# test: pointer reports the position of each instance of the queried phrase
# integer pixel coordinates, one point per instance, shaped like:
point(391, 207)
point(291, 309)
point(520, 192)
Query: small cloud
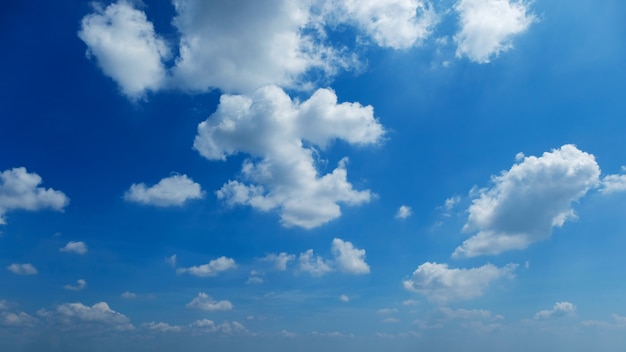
point(315, 266)
point(254, 280)
point(205, 302)
point(344, 298)
point(171, 260)
point(22, 269)
point(349, 259)
point(451, 202)
point(161, 327)
point(19, 191)
point(385, 311)
point(280, 260)
point(80, 285)
point(213, 268)
point(404, 212)
point(560, 309)
point(129, 295)
point(78, 247)
point(170, 191)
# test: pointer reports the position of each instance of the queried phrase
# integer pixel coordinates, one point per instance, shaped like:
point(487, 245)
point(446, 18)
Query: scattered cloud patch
point(613, 184)
point(205, 302)
point(528, 200)
point(344, 298)
point(19, 191)
point(78, 247)
point(171, 261)
point(397, 24)
point(439, 283)
point(348, 258)
point(78, 314)
point(22, 269)
point(404, 212)
point(128, 295)
point(560, 309)
point(487, 27)
point(280, 260)
point(206, 326)
point(126, 48)
point(170, 191)
point(161, 327)
point(80, 285)
point(273, 129)
point(213, 268)
point(316, 266)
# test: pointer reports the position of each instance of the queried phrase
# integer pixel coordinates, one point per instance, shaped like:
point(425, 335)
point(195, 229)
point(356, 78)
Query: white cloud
point(349, 259)
point(80, 314)
point(252, 280)
point(488, 26)
point(269, 126)
point(227, 328)
point(78, 247)
point(560, 309)
point(439, 283)
point(129, 295)
point(205, 302)
point(528, 200)
point(280, 260)
point(613, 183)
point(386, 311)
point(161, 327)
point(126, 47)
point(80, 285)
point(239, 46)
point(404, 212)
point(22, 269)
point(451, 202)
point(398, 24)
point(315, 266)
point(171, 260)
point(170, 191)
point(213, 268)
point(16, 319)
point(344, 298)
point(19, 191)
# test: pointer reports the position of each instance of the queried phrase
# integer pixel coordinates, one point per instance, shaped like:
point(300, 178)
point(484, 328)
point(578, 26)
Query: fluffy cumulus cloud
point(560, 309)
point(528, 200)
point(205, 302)
point(488, 26)
point(212, 268)
point(275, 131)
point(80, 285)
point(346, 258)
point(404, 212)
point(77, 247)
point(613, 184)
point(314, 265)
point(279, 260)
point(206, 326)
point(440, 283)
point(349, 259)
point(22, 269)
point(126, 48)
point(397, 24)
point(238, 46)
point(80, 315)
point(19, 190)
point(161, 327)
point(170, 191)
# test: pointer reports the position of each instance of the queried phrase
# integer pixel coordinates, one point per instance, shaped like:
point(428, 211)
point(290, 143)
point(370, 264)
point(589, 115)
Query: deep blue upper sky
point(312, 175)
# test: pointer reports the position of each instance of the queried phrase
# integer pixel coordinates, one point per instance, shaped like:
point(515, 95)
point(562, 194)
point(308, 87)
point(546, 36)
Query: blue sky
point(312, 175)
